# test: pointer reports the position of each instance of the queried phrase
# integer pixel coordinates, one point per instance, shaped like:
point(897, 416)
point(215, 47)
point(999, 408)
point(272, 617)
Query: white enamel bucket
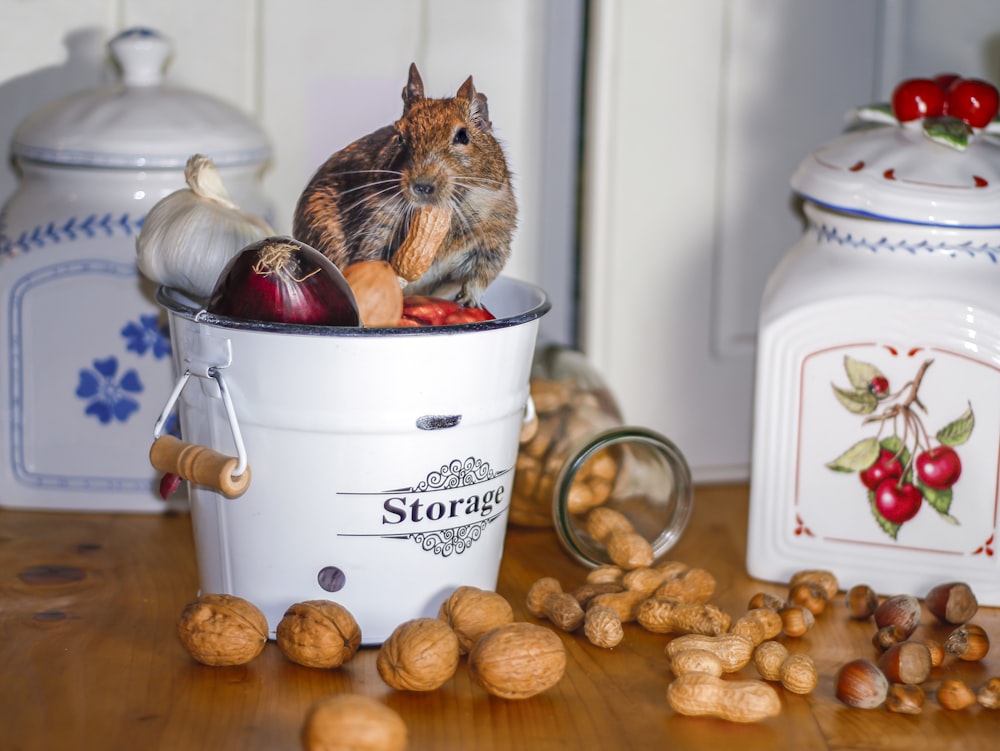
point(380, 460)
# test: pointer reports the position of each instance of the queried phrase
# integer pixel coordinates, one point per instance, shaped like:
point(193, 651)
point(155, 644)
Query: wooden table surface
point(89, 658)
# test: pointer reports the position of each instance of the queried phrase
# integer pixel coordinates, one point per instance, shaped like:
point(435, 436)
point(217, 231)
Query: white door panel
point(697, 115)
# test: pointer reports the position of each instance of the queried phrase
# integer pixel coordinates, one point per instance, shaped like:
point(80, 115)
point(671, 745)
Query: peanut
point(798, 674)
point(768, 658)
point(428, 228)
point(671, 617)
point(734, 650)
point(695, 585)
point(736, 701)
point(546, 599)
point(696, 661)
point(603, 627)
point(624, 603)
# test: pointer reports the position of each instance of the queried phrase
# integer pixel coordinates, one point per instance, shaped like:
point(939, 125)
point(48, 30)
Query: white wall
point(320, 73)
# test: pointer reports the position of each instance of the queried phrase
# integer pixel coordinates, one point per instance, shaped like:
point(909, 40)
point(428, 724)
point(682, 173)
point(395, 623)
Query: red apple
point(915, 98)
point(896, 502)
point(972, 101)
point(939, 468)
point(887, 466)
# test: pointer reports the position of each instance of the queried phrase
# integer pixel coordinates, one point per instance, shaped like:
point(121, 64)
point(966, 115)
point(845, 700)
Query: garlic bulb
point(190, 235)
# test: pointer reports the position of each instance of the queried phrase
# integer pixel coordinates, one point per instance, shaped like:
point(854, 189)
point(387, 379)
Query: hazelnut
point(810, 595)
point(899, 610)
point(886, 636)
point(908, 662)
point(936, 649)
point(796, 620)
point(861, 684)
point(968, 642)
point(825, 579)
point(988, 695)
point(343, 722)
point(765, 600)
point(318, 634)
point(220, 629)
point(952, 603)
point(861, 602)
point(905, 698)
point(955, 694)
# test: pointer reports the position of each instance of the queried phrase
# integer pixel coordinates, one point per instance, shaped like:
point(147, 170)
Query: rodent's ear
point(479, 112)
point(414, 88)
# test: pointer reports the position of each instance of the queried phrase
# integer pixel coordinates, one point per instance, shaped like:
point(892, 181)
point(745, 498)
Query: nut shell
point(518, 660)
point(352, 722)
point(377, 292)
point(471, 612)
point(318, 634)
point(221, 629)
point(420, 655)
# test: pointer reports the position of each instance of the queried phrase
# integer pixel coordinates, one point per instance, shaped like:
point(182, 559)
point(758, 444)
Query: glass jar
point(576, 454)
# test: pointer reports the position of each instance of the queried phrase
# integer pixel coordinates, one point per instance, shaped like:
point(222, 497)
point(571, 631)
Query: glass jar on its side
point(577, 455)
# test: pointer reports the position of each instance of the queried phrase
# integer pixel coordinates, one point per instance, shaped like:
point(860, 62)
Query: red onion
point(281, 280)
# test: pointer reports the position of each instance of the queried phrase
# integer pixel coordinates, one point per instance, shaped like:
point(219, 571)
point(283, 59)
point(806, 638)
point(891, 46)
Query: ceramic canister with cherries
point(876, 446)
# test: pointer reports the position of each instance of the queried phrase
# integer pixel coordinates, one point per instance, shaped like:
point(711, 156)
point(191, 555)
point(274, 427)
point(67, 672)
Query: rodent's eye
point(461, 136)
point(397, 138)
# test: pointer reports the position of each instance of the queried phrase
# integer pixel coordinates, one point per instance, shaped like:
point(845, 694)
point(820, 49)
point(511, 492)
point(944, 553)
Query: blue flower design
point(108, 398)
point(148, 335)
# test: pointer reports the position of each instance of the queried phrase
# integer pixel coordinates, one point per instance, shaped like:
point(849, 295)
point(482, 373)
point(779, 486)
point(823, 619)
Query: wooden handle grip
point(198, 464)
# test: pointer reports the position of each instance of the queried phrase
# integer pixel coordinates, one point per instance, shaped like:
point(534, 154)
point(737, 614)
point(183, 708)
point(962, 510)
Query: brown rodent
point(358, 205)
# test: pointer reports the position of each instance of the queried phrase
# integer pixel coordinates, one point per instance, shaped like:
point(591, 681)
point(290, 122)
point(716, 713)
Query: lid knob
point(142, 55)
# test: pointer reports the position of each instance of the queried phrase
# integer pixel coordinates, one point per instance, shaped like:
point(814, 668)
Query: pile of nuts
point(507, 658)
point(673, 598)
point(566, 411)
point(904, 664)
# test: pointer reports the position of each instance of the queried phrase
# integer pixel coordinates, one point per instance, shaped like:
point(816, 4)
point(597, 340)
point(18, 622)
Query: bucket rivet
point(331, 578)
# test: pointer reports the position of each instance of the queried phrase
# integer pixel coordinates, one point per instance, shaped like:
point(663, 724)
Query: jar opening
point(651, 486)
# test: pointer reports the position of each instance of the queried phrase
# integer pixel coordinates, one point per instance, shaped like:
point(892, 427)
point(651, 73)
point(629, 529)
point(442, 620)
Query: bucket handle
point(200, 464)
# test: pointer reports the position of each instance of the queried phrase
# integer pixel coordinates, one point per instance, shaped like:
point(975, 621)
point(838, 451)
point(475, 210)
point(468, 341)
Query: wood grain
point(89, 658)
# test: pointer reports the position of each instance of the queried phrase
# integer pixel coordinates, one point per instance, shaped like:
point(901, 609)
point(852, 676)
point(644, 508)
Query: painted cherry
point(896, 502)
point(879, 385)
point(886, 467)
point(939, 468)
point(972, 101)
point(915, 98)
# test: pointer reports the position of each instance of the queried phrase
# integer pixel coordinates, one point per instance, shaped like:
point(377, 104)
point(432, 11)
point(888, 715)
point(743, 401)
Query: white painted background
point(697, 112)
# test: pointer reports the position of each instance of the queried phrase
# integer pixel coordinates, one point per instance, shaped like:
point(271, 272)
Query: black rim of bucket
point(179, 303)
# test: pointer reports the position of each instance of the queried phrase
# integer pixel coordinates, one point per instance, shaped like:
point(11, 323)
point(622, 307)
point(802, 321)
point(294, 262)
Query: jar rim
point(683, 495)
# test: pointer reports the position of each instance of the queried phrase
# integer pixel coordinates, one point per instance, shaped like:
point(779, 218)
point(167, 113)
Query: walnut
point(518, 660)
point(318, 634)
point(471, 612)
point(218, 629)
point(420, 655)
point(352, 722)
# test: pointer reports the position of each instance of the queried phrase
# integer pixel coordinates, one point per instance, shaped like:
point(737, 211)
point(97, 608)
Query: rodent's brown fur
point(441, 151)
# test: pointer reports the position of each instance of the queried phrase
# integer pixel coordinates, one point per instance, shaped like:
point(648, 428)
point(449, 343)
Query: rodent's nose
point(422, 188)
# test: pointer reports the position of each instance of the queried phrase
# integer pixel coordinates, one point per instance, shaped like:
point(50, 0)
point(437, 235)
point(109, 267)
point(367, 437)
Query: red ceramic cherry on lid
point(894, 164)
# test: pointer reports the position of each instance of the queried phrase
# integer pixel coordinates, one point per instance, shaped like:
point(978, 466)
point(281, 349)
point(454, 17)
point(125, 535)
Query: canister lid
point(139, 121)
point(921, 172)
